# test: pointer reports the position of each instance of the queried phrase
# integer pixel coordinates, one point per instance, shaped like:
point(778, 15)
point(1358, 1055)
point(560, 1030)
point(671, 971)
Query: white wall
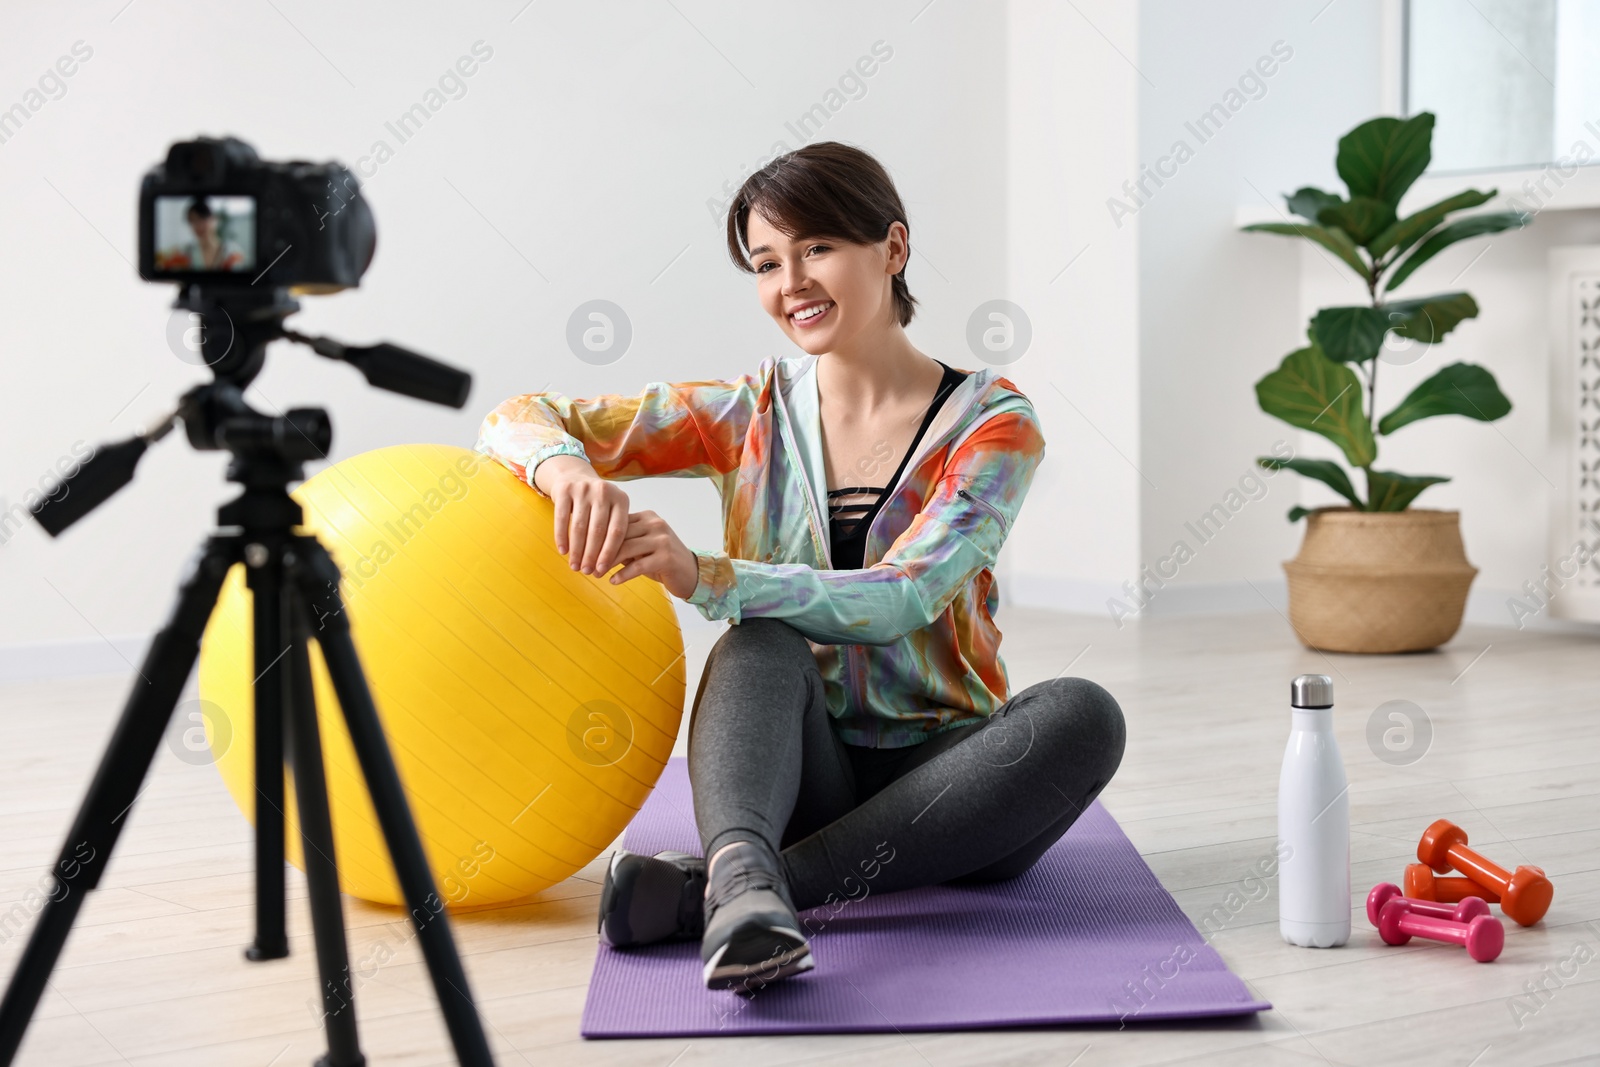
point(577, 166)
point(1072, 108)
point(1220, 308)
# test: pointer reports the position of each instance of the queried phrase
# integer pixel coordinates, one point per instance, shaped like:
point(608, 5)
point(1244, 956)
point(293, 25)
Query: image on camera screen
point(205, 233)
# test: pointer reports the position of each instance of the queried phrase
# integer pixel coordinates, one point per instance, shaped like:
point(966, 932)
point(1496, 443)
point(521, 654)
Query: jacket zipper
point(985, 505)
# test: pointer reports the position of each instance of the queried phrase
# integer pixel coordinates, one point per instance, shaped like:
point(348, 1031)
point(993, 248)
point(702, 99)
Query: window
point(1514, 83)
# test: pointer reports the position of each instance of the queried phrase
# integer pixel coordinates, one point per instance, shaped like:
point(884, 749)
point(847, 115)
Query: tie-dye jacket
point(908, 646)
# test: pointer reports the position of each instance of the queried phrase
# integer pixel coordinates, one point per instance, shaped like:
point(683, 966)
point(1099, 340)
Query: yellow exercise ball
point(530, 708)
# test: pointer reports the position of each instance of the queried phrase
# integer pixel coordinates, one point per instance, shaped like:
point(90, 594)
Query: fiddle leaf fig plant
point(1330, 385)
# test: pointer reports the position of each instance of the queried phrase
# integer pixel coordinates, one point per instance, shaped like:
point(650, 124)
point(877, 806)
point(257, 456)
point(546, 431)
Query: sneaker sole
point(752, 964)
point(608, 894)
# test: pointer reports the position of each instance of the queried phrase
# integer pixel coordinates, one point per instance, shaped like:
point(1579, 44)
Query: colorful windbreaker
point(907, 646)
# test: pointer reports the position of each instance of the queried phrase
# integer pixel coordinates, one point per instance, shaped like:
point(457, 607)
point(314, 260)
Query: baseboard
point(1073, 596)
point(1113, 602)
point(88, 657)
point(1493, 607)
point(79, 658)
point(1485, 606)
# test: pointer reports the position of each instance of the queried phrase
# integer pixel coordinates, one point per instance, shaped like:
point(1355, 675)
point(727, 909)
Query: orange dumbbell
point(1524, 893)
point(1422, 884)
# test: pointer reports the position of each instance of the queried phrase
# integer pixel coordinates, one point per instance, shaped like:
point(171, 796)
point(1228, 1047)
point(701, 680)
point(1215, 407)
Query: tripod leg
point(318, 580)
point(316, 831)
point(270, 632)
point(116, 784)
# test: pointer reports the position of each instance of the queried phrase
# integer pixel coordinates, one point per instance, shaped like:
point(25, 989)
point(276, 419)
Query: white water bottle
point(1313, 823)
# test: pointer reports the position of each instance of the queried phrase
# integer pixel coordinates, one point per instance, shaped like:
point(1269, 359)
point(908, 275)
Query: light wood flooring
point(153, 973)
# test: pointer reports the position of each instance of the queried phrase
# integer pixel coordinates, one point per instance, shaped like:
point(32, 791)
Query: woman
point(209, 250)
point(854, 731)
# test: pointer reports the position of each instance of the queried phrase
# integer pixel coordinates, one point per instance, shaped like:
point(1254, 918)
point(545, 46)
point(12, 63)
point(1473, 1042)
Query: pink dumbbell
point(1484, 937)
point(1464, 912)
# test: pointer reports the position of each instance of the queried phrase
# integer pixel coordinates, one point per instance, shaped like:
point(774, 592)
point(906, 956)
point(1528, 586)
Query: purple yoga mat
point(1087, 935)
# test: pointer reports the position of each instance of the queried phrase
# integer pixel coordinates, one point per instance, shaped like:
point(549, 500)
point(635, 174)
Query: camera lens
point(363, 236)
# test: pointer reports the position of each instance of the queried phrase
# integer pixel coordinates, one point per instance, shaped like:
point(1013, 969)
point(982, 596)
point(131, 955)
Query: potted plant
point(1378, 575)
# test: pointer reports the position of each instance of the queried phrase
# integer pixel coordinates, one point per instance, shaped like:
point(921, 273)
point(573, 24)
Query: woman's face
point(204, 226)
point(851, 283)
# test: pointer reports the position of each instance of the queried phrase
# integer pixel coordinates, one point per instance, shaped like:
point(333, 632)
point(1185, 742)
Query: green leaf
point(1459, 230)
point(1395, 492)
point(1309, 200)
point(1323, 470)
point(1355, 334)
point(1459, 389)
point(1427, 319)
point(1363, 218)
point(1409, 230)
point(1311, 391)
point(1297, 513)
point(1349, 334)
point(1381, 158)
point(1333, 239)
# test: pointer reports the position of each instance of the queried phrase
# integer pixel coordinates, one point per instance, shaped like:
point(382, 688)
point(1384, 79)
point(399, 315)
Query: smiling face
point(204, 226)
point(840, 290)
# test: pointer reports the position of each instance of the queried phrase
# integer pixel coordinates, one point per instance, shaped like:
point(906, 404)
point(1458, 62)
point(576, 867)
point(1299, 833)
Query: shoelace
point(735, 877)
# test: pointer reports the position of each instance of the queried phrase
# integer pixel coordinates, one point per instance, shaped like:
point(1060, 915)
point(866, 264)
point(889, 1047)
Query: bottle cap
point(1311, 691)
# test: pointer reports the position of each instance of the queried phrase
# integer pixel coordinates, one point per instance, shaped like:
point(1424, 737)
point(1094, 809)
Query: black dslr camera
point(242, 238)
point(217, 214)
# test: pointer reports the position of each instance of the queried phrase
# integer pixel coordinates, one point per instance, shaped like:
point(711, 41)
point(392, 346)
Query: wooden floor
point(153, 975)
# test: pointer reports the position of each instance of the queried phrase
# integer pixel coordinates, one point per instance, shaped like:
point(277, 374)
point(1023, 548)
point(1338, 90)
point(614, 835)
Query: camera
point(216, 214)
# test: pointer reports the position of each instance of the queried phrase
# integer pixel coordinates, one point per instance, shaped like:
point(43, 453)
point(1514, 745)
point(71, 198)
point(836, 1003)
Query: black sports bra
point(848, 523)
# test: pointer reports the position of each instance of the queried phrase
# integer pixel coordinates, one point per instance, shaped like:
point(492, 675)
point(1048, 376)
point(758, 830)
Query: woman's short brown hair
point(827, 189)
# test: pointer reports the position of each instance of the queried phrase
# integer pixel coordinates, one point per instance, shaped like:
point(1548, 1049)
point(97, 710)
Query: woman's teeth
point(811, 312)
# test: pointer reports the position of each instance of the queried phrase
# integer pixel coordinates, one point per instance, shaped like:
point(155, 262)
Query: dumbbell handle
point(1455, 890)
point(1460, 912)
point(1422, 884)
point(1481, 870)
point(1433, 927)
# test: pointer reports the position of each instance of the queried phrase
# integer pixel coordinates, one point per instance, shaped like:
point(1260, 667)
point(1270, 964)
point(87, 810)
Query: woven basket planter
point(1379, 581)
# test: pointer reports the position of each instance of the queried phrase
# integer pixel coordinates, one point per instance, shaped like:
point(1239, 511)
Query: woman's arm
point(684, 429)
point(958, 532)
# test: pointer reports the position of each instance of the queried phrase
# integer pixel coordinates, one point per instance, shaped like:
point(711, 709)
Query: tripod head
point(236, 325)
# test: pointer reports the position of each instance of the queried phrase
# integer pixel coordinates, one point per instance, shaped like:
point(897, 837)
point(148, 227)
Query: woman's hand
point(594, 529)
point(591, 519)
point(653, 550)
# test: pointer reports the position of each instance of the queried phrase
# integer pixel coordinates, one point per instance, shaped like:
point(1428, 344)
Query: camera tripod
point(294, 584)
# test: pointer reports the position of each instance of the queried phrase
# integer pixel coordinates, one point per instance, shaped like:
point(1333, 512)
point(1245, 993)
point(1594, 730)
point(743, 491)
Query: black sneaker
point(652, 898)
point(752, 935)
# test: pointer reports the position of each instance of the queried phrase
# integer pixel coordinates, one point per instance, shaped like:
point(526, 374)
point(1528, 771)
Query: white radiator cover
point(1574, 549)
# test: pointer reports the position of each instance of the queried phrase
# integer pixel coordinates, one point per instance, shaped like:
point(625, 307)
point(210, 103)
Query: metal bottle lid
point(1311, 691)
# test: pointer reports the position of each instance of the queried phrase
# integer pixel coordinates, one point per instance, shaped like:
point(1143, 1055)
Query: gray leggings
point(972, 804)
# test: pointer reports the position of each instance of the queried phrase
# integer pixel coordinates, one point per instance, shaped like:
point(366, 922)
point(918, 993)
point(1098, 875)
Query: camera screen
point(205, 233)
